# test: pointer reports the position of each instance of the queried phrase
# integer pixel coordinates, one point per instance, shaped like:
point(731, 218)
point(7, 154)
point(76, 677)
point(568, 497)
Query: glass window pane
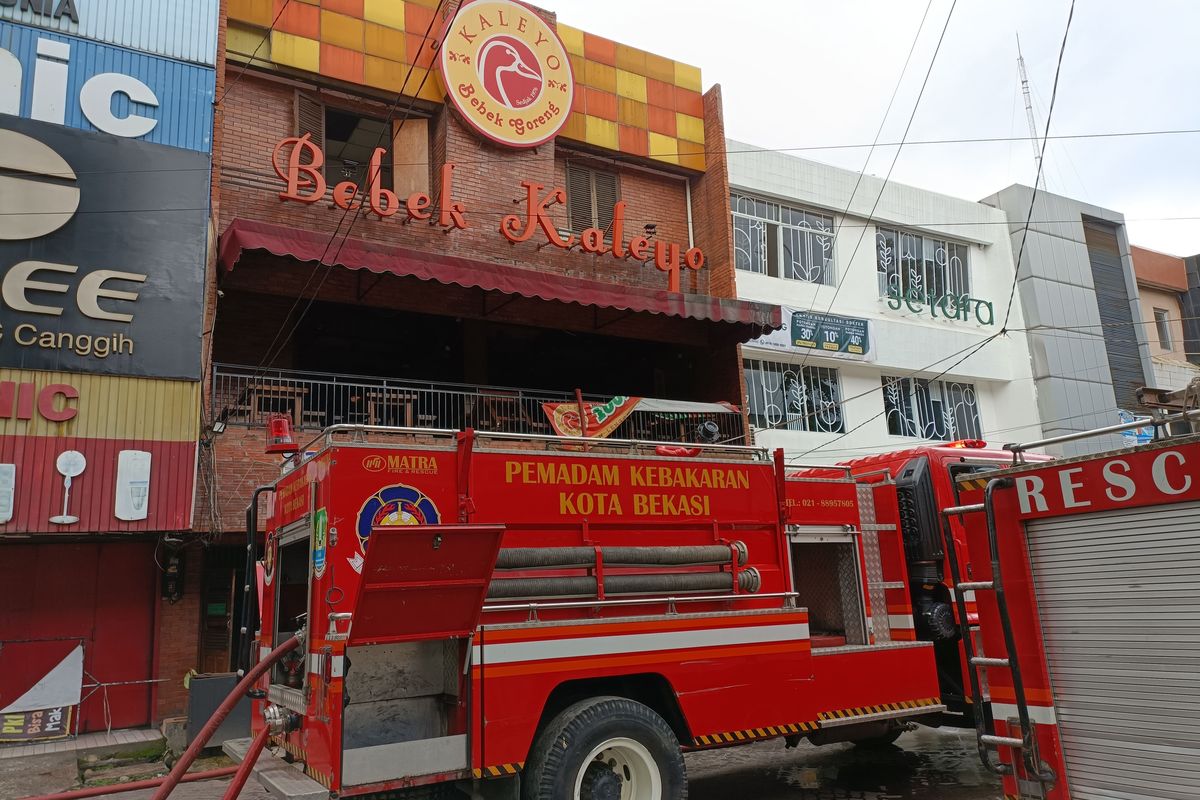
point(784, 396)
point(911, 269)
point(887, 262)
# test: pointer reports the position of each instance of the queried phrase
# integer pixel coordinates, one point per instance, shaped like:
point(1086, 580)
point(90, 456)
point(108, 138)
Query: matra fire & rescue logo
point(507, 72)
point(395, 505)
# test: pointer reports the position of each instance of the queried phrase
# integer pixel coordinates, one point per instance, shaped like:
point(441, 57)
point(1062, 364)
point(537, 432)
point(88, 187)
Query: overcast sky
point(804, 74)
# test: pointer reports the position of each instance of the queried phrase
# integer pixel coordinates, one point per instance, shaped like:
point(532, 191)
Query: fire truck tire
point(605, 747)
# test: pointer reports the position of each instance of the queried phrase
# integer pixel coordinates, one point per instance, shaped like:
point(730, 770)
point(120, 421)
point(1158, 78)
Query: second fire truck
point(926, 481)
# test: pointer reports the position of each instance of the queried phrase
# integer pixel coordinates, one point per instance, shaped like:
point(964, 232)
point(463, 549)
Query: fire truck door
point(422, 592)
point(1118, 596)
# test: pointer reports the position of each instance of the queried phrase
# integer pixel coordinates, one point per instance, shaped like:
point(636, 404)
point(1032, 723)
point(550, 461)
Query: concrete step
point(284, 781)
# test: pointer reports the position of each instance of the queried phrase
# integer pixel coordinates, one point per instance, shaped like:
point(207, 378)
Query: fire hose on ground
point(177, 772)
point(97, 791)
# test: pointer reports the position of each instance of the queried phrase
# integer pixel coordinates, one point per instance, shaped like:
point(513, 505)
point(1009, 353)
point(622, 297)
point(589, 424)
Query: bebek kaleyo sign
point(507, 72)
point(298, 162)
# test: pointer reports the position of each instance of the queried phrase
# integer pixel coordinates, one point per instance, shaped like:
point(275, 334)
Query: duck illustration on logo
point(509, 72)
point(506, 71)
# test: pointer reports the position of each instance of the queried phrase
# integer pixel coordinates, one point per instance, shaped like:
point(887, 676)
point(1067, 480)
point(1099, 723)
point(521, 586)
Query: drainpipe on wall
point(687, 188)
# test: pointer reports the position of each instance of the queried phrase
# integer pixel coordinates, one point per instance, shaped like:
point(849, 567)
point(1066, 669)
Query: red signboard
point(1150, 476)
point(519, 488)
point(90, 502)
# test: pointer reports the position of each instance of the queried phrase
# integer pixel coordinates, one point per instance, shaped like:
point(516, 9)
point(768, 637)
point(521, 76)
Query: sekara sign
point(102, 252)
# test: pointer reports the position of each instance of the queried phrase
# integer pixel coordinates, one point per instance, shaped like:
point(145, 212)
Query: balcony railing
point(248, 396)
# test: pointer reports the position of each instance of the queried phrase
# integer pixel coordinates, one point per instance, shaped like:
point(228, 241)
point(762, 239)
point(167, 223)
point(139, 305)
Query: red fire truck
point(1087, 573)
point(553, 617)
point(925, 481)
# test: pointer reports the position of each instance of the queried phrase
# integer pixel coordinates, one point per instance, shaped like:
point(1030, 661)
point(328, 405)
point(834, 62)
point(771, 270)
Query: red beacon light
point(279, 436)
point(972, 443)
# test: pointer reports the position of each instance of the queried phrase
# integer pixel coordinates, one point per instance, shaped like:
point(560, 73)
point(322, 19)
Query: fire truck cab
point(552, 617)
point(926, 481)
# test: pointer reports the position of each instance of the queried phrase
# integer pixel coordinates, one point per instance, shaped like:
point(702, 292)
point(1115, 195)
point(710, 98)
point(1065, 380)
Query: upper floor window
point(944, 410)
point(919, 267)
point(794, 398)
point(1162, 321)
point(591, 195)
point(780, 241)
point(347, 139)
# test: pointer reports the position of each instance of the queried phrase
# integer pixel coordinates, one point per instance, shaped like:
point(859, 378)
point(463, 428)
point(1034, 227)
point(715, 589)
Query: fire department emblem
point(507, 72)
point(395, 505)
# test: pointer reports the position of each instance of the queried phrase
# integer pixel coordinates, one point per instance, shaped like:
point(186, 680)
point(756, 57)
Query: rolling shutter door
point(1119, 603)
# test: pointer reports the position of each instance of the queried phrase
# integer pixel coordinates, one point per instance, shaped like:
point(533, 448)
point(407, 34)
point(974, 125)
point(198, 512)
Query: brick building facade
point(328, 316)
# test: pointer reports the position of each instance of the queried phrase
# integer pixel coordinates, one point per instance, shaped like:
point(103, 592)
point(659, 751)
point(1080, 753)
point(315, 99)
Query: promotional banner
point(602, 418)
point(829, 334)
point(40, 684)
point(102, 252)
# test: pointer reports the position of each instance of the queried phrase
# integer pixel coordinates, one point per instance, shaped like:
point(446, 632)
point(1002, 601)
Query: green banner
point(830, 333)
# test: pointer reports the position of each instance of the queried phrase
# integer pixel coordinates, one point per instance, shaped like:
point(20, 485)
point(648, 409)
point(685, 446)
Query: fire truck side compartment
point(829, 584)
point(399, 692)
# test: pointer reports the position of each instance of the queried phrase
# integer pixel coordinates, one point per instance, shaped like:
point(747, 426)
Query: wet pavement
point(925, 764)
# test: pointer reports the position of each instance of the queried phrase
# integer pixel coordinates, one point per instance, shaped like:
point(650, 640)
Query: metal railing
point(317, 400)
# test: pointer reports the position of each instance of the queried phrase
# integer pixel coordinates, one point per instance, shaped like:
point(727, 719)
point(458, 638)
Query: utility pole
point(1033, 131)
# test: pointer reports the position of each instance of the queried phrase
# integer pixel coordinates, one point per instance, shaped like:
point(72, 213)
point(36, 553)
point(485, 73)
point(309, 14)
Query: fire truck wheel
point(605, 748)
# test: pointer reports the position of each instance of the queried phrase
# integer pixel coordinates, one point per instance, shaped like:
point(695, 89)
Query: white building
point(915, 292)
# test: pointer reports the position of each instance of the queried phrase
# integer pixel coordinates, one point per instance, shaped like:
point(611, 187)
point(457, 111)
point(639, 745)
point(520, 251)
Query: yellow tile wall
point(654, 94)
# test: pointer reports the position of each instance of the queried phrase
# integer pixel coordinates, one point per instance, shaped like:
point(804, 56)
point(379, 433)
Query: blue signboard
point(68, 81)
point(180, 29)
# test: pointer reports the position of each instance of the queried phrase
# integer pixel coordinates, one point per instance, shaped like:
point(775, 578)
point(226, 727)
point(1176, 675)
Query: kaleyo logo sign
point(507, 72)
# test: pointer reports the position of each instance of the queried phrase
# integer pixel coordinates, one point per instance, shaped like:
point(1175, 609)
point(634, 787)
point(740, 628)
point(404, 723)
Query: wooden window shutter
point(579, 197)
point(310, 118)
point(410, 156)
point(605, 197)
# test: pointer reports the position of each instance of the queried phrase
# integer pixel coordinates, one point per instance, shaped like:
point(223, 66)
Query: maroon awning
point(281, 240)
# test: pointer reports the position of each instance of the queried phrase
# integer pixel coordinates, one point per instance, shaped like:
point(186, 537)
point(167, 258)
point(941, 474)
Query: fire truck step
point(1001, 741)
point(972, 586)
point(983, 661)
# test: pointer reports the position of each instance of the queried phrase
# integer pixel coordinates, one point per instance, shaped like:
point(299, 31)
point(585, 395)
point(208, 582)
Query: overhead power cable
point(916, 106)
